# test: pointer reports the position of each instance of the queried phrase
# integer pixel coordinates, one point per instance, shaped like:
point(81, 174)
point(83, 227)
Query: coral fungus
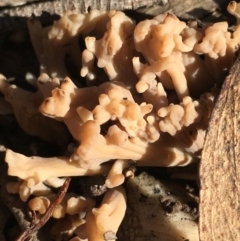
point(152, 108)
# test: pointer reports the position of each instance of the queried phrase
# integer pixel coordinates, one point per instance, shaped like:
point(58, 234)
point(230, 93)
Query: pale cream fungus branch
point(72, 204)
point(114, 51)
point(234, 8)
point(28, 187)
point(165, 45)
point(122, 141)
point(219, 47)
point(188, 120)
point(40, 169)
point(96, 149)
point(106, 218)
point(156, 42)
point(116, 176)
point(64, 228)
point(164, 124)
point(53, 43)
point(74, 105)
point(25, 106)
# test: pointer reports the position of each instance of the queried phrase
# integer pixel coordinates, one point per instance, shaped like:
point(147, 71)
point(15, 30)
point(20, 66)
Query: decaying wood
point(220, 166)
point(5, 3)
point(60, 6)
point(193, 8)
point(15, 16)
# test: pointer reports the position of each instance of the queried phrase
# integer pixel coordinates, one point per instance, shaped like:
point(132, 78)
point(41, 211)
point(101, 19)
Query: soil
point(170, 206)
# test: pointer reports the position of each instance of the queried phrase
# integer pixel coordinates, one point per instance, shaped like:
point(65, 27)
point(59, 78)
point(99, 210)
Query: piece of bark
point(59, 6)
point(193, 8)
point(14, 18)
point(5, 3)
point(220, 166)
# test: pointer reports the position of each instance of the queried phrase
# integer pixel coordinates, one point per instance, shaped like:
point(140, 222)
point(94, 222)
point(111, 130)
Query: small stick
point(36, 226)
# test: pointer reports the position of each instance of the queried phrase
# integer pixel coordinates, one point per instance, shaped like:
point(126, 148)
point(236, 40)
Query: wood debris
point(220, 166)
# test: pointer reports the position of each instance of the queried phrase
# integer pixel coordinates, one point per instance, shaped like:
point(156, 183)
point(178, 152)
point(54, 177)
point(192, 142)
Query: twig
point(36, 226)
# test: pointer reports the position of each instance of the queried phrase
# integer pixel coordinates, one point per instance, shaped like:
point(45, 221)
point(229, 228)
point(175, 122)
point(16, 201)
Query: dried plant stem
point(36, 226)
